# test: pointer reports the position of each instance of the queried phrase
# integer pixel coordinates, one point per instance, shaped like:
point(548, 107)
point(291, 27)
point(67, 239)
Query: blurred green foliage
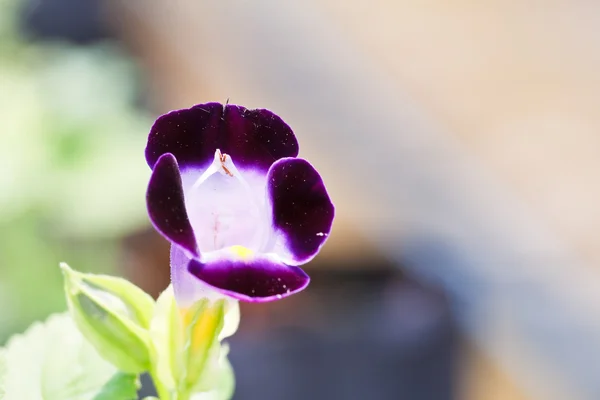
point(73, 174)
point(53, 361)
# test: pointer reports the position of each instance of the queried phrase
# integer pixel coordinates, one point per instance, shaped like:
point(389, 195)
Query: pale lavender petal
point(187, 288)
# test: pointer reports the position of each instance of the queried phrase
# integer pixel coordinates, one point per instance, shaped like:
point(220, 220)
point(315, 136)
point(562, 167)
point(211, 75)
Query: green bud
point(202, 322)
point(218, 380)
point(166, 332)
point(114, 316)
point(188, 354)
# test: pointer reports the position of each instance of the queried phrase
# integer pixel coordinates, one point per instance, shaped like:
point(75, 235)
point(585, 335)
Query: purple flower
point(241, 211)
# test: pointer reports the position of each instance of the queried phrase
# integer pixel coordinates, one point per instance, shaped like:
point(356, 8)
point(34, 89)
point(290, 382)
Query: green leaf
point(114, 315)
point(120, 387)
point(52, 361)
point(136, 304)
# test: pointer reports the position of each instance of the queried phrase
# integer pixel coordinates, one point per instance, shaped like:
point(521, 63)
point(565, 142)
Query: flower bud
point(187, 341)
point(114, 316)
point(202, 324)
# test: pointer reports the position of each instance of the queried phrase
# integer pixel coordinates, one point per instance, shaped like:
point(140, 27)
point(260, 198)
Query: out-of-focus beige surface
point(483, 380)
point(515, 83)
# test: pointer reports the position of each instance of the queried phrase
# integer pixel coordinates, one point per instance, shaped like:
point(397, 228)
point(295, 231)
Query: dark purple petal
point(166, 204)
point(257, 280)
point(253, 138)
point(302, 210)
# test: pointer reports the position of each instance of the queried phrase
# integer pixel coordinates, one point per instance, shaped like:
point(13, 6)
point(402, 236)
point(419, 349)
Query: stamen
point(226, 170)
point(223, 164)
point(218, 165)
point(223, 158)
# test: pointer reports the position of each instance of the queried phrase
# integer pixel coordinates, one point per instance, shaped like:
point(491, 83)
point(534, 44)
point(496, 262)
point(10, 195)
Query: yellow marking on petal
point(242, 252)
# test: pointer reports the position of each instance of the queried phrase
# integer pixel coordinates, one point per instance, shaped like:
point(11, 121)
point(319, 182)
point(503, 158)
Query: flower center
point(223, 207)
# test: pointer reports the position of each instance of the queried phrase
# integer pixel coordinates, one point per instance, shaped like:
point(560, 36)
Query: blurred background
point(459, 141)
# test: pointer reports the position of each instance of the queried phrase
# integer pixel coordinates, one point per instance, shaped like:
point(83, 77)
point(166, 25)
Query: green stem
point(161, 390)
point(183, 394)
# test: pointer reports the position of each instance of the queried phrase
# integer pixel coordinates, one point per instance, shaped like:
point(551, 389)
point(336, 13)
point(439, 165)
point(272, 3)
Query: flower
point(241, 210)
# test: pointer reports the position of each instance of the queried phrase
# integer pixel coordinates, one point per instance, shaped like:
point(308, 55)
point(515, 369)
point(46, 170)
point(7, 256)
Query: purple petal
point(259, 279)
point(302, 210)
point(166, 204)
point(253, 138)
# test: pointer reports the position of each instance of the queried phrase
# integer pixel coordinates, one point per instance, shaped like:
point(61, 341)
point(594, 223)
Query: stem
point(183, 393)
point(183, 396)
point(162, 391)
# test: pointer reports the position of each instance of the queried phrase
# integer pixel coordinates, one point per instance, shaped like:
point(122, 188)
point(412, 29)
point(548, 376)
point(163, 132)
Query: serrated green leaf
point(52, 361)
point(119, 387)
